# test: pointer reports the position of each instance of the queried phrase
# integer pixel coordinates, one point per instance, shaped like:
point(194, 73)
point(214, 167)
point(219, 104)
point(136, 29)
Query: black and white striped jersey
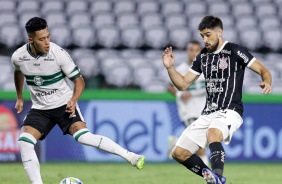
point(224, 72)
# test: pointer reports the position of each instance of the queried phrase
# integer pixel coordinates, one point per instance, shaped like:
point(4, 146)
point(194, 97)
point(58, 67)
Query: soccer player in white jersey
point(45, 66)
point(223, 65)
point(190, 102)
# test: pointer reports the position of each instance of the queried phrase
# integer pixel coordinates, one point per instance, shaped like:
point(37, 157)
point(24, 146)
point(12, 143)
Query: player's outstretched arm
point(78, 89)
point(180, 82)
point(19, 80)
point(265, 76)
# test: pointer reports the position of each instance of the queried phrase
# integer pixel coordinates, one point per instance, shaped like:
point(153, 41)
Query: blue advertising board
point(144, 127)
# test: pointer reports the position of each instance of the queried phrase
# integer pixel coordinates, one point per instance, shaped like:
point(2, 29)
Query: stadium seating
point(7, 5)
point(156, 37)
point(131, 29)
point(100, 6)
point(61, 34)
point(55, 18)
point(119, 75)
point(127, 19)
point(29, 5)
point(84, 36)
point(175, 20)
point(108, 36)
point(76, 6)
point(124, 6)
point(7, 17)
point(147, 6)
point(132, 37)
point(103, 19)
point(10, 35)
point(179, 37)
point(51, 5)
point(79, 19)
point(89, 65)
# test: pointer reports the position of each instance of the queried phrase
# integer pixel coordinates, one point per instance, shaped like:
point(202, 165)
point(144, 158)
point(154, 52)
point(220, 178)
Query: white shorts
point(228, 121)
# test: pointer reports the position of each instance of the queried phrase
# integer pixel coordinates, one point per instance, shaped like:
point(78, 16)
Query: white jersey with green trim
point(46, 74)
point(194, 106)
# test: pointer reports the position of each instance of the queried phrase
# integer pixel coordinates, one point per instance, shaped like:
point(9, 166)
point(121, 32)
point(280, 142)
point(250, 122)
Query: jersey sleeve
point(14, 62)
point(196, 65)
point(67, 65)
point(243, 56)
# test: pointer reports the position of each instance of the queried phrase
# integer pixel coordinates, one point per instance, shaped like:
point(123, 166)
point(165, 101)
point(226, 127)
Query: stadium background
point(118, 46)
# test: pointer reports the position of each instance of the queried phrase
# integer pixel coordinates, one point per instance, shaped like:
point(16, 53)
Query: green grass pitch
point(153, 173)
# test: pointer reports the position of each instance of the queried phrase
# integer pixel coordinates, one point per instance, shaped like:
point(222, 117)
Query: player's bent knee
point(181, 154)
point(217, 132)
point(26, 140)
point(79, 133)
point(214, 135)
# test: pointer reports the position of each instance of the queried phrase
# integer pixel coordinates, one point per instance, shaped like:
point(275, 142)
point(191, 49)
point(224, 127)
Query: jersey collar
point(29, 51)
point(222, 46)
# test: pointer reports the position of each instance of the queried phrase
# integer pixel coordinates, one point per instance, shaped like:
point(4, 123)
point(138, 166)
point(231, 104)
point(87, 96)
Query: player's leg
point(202, 154)
point(184, 153)
point(27, 141)
point(217, 156)
point(172, 139)
point(171, 144)
point(222, 127)
point(81, 134)
point(36, 126)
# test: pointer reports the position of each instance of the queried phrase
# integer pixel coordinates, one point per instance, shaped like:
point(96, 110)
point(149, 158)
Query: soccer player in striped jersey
point(223, 65)
point(46, 67)
point(191, 101)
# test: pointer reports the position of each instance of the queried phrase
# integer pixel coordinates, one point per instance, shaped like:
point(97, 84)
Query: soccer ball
point(70, 180)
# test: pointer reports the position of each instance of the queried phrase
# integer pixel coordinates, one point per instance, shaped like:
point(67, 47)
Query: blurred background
point(118, 46)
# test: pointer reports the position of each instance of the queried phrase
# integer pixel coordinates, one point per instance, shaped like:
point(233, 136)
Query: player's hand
point(185, 96)
point(168, 58)
point(19, 105)
point(266, 88)
point(71, 107)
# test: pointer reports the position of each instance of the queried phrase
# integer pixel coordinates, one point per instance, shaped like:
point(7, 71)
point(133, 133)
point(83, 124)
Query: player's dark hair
point(35, 24)
point(194, 42)
point(210, 22)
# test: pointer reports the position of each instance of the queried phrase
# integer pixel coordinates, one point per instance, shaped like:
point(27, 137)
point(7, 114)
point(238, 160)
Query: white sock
point(30, 161)
point(103, 143)
point(205, 159)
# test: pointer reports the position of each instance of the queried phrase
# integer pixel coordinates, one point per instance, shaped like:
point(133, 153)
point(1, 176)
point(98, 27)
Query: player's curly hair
point(210, 22)
point(35, 24)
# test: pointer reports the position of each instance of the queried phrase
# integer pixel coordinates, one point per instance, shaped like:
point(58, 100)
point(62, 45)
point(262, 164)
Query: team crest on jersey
point(38, 80)
point(223, 63)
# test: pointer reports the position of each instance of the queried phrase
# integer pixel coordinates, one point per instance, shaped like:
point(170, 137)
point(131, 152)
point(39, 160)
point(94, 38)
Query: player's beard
point(213, 47)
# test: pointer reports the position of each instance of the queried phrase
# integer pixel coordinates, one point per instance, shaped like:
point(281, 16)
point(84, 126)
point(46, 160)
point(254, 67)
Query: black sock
point(217, 158)
point(195, 164)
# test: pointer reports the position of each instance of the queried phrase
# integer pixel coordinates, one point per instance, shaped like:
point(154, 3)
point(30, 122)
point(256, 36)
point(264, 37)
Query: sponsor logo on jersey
point(243, 56)
point(38, 80)
point(46, 93)
point(213, 89)
point(24, 58)
point(223, 63)
point(215, 80)
point(49, 58)
point(214, 68)
point(226, 52)
point(36, 64)
point(212, 106)
point(202, 55)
